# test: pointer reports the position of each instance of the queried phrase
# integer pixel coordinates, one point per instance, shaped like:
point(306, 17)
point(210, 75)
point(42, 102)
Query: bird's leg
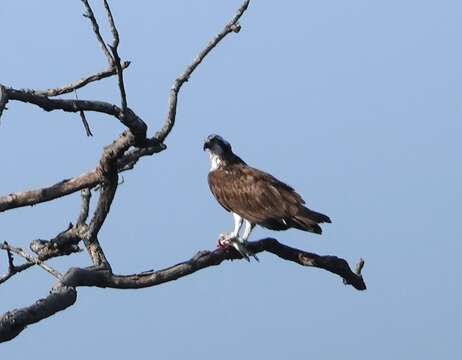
point(240, 243)
point(233, 239)
point(247, 230)
point(225, 239)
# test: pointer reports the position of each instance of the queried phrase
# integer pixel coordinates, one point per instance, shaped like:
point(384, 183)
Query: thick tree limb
point(14, 322)
point(232, 26)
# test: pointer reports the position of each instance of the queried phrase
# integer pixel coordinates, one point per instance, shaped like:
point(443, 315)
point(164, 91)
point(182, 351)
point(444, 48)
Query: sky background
point(356, 104)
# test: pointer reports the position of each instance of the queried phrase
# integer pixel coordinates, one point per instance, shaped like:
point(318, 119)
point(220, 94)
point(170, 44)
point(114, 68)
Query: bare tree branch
point(82, 82)
point(89, 14)
point(108, 168)
point(11, 268)
point(86, 126)
point(115, 33)
point(203, 259)
point(232, 26)
point(129, 118)
point(31, 259)
point(65, 243)
point(86, 196)
point(68, 186)
point(62, 188)
point(84, 119)
point(123, 95)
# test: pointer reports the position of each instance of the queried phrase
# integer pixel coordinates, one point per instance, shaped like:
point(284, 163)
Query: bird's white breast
point(215, 161)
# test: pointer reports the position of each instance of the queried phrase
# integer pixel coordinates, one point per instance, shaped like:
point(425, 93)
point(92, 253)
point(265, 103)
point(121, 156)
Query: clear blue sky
point(357, 104)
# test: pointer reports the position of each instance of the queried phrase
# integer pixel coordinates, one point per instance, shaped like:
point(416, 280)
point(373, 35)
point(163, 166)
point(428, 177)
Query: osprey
point(254, 197)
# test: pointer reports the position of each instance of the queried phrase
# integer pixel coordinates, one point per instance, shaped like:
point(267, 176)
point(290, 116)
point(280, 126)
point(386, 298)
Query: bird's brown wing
point(255, 195)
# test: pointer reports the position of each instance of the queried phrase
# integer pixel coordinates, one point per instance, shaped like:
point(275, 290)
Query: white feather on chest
point(215, 161)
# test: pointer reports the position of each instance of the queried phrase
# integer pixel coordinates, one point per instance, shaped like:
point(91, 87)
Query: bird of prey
point(254, 197)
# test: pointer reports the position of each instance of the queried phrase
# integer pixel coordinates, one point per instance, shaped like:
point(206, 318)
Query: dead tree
point(122, 155)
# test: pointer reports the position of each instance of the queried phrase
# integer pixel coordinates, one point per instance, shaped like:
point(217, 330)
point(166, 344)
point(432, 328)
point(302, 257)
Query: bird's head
point(216, 145)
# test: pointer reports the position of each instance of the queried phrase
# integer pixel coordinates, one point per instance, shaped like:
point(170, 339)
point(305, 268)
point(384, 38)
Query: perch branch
point(232, 26)
point(76, 277)
point(204, 259)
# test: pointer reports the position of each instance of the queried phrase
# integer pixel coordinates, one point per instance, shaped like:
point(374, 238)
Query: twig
point(85, 123)
point(115, 33)
point(17, 270)
point(232, 26)
point(84, 119)
point(3, 99)
point(31, 259)
point(89, 14)
point(115, 55)
point(120, 76)
point(11, 267)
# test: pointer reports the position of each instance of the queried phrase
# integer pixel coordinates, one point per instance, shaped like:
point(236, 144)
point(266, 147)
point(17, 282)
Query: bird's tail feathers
point(308, 220)
point(315, 216)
